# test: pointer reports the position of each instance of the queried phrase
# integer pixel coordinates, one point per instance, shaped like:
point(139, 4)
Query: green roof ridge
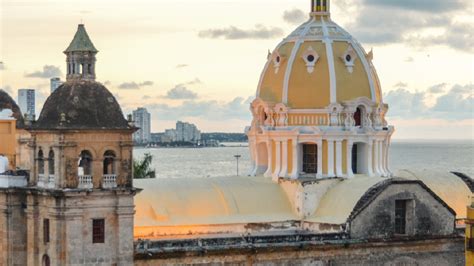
point(81, 42)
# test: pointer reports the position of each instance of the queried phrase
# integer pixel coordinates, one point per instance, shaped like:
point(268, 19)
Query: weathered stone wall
point(70, 215)
point(434, 252)
point(425, 214)
point(12, 228)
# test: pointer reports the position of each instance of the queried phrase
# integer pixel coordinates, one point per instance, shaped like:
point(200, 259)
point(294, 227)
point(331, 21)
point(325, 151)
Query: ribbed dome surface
point(318, 64)
point(6, 102)
point(81, 104)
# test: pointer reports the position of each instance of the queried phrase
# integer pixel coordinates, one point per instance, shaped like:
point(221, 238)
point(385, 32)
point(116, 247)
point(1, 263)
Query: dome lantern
point(320, 7)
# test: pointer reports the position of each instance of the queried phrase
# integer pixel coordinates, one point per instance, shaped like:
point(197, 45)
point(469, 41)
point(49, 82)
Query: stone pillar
point(339, 158)
point(330, 158)
point(319, 174)
point(125, 233)
point(277, 160)
point(296, 160)
point(269, 173)
point(350, 145)
point(253, 158)
point(284, 158)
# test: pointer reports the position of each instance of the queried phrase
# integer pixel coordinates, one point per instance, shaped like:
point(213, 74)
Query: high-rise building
point(187, 132)
point(142, 120)
point(26, 101)
point(55, 83)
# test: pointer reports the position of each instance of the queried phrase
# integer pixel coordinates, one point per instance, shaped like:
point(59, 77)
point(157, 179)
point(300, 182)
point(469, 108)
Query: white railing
point(51, 181)
point(85, 182)
point(109, 181)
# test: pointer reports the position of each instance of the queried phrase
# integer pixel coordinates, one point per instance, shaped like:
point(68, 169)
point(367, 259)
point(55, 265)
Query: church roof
point(451, 188)
point(81, 42)
point(211, 201)
point(81, 104)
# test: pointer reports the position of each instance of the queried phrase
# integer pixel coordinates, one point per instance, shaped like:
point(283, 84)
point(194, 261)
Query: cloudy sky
point(200, 61)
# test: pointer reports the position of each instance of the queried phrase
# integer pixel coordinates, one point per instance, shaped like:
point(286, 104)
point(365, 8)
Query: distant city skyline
point(203, 65)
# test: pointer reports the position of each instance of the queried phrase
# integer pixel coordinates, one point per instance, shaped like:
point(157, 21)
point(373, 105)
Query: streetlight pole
point(237, 158)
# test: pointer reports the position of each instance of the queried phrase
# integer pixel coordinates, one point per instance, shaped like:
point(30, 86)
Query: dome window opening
point(311, 57)
point(320, 5)
point(277, 59)
point(349, 58)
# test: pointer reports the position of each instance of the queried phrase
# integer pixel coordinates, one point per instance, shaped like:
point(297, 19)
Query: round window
point(348, 58)
point(310, 58)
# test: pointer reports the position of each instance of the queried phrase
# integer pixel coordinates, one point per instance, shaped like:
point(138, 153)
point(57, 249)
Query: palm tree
point(141, 169)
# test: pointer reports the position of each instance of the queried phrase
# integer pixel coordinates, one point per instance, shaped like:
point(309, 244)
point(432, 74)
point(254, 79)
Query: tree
point(142, 169)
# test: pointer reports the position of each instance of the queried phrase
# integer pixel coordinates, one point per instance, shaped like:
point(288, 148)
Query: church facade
point(320, 191)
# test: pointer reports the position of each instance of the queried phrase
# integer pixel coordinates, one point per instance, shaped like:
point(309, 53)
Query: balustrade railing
point(42, 180)
point(109, 181)
point(85, 182)
point(51, 181)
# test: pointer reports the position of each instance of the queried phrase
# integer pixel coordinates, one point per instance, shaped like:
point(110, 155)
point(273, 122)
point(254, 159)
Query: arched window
point(51, 162)
point(109, 163)
point(40, 162)
point(89, 68)
point(73, 68)
point(85, 163)
point(46, 261)
point(358, 117)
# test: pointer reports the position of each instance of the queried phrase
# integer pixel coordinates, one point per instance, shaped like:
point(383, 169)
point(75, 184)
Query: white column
point(268, 173)
point(386, 145)
point(339, 158)
point(284, 159)
point(296, 154)
point(350, 145)
point(381, 159)
point(370, 151)
point(330, 158)
point(320, 159)
point(254, 157)
point(376, 158)
point(276, 173)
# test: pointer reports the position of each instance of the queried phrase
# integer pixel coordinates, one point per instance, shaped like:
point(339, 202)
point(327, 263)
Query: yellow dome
point(316, 65)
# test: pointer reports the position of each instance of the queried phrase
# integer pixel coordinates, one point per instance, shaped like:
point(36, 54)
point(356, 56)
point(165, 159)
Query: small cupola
point(320, 7)
point(81, 56)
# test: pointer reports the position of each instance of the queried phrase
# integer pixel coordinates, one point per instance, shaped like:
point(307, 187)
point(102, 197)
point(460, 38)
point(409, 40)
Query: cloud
point(294, 16)
point(47, 72)
point(194, 82)
point(107, 83)
point(456, 104)
point(238, 108)
point(180, 92)
point(430, 6)
point(2, 66)
point(409, 59)
point(146, 97)
point(438, 88)
point(182, 66)
point(134, 85)
point(234, 33)
point(411, 23)
point(400, 85)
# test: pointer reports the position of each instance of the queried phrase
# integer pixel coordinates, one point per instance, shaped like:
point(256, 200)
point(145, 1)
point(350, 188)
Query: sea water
point(210, 162)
